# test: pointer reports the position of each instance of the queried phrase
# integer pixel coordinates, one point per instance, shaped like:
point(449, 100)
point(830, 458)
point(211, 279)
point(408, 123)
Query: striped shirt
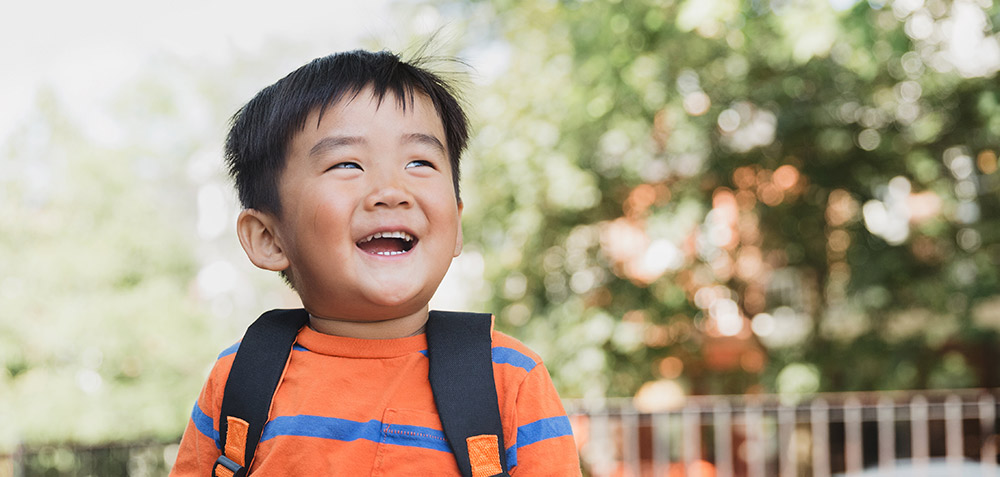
point(354, 407)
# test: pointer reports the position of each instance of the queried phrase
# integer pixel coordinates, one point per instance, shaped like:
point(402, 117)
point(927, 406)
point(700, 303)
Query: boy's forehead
point(367, 101)
point(368, 96)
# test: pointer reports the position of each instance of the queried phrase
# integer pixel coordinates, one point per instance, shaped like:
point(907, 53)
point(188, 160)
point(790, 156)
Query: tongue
point(382, 245)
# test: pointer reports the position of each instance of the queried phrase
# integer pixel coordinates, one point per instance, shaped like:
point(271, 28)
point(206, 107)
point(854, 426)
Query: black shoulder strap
point(257, 368)
point(460, 350)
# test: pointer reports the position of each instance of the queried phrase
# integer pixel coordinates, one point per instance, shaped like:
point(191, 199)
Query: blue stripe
point(228, 351)
point(416, 436)
point(204, 424)
point(513, 357)
point(511, 457)
point(543, 429)
point(323, 427)
point(347, 431)
point(234, 348)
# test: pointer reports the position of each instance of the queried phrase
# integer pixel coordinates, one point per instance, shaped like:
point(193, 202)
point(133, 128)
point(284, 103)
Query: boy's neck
point(406, 326)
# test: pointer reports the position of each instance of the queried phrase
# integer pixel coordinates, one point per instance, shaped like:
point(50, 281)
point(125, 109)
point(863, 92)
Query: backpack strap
point(460, 350)
point(257, 368)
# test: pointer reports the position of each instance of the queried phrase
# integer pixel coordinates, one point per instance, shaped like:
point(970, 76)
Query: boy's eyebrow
point(333, 142)
point(426, 139)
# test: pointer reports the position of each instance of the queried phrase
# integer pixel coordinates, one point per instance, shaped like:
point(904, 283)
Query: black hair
point(261, 130)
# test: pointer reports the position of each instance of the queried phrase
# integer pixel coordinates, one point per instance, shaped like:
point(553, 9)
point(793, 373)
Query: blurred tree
point(745, 196)
point(104, 334)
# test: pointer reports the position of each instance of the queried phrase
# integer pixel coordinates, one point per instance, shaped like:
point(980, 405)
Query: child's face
point(367, 169)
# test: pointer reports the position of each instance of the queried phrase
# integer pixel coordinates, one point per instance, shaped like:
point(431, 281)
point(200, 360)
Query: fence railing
point(133, 459)
point(928, 434)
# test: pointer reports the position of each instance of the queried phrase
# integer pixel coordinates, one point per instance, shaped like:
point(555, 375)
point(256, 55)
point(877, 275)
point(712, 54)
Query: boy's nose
point(389, 194)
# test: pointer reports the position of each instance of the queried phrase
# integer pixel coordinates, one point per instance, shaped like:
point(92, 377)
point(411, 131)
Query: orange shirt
point(354, 407)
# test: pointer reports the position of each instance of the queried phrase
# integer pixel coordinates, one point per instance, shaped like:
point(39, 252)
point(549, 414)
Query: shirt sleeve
point(199, 448)
point(544, 445)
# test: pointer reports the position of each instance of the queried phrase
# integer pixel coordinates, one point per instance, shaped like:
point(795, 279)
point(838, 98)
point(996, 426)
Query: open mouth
point(387, 243)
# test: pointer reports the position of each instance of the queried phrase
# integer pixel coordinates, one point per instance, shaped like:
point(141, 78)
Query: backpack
point(459, 348)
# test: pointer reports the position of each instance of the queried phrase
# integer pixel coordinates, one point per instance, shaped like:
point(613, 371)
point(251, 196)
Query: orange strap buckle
point(231, 463)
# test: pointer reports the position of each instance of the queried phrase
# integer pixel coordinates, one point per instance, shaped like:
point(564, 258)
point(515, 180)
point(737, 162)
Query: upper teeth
point(397, 235)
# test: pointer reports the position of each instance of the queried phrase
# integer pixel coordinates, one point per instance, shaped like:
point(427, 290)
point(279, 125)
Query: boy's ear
point(256, 230)
point(458, 238)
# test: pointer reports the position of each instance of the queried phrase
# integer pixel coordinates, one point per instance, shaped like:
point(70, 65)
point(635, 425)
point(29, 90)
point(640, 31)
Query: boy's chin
point(376, 300)
point(369, 311)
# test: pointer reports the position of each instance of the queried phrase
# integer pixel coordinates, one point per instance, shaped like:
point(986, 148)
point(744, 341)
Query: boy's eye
point(346, 165)
point(419, 163)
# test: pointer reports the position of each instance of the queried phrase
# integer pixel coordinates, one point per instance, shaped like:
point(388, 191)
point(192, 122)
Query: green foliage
point(101, 336)
point(654, 179)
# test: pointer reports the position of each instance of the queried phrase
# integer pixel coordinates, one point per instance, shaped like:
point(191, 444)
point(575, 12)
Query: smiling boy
point(348, 173)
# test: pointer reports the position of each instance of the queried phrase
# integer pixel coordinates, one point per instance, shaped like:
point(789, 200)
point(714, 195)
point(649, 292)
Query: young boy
point(348, 170)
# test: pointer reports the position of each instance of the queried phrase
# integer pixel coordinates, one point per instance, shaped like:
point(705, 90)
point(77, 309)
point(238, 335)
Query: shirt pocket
point(413, 444)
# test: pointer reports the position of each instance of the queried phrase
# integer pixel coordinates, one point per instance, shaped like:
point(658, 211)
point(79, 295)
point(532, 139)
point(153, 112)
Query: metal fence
point(932, 434)
point(900, 434)
point(134, 459)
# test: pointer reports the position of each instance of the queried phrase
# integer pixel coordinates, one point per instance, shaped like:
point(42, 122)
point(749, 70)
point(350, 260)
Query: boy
point(348, 170)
